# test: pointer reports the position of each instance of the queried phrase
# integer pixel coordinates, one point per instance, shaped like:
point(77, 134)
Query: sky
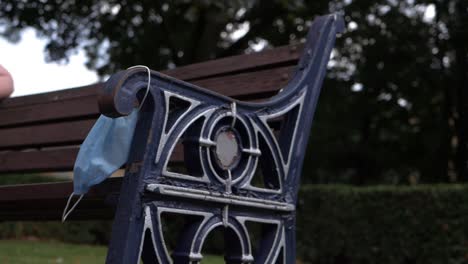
point(31, 74)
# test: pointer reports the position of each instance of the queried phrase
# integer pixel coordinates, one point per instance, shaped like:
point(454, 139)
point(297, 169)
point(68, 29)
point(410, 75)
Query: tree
point(394, 106)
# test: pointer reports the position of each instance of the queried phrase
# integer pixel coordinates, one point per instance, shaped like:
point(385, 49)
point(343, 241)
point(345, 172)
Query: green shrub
point(401, 224)
point(86, 232)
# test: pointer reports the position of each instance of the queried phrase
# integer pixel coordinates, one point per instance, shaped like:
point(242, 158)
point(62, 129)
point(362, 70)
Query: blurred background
point(392, 119)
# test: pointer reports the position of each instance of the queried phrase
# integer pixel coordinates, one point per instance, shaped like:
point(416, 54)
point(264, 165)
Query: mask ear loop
point(65, 212)
point(148, 85)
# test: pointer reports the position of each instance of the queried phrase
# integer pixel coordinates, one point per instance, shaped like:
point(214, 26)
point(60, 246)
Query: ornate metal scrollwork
point(225, 145)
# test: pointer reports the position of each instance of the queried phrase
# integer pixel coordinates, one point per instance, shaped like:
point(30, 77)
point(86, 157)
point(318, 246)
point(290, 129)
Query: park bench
point(42, 133)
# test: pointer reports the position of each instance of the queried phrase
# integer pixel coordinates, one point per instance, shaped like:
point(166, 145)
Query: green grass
point(41, 252)
point(22, 252)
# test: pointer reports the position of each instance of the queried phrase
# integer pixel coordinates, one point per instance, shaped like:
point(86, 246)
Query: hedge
point(81, 232)
point(384, 224)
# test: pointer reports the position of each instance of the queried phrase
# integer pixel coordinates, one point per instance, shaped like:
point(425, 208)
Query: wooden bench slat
point(61, 95)
point(74, 108)
point(63, 133)
point(240, 63)
point(62, 159)
point(46, 201)
point(45, 211)
point(38, 160)
point(249, 84)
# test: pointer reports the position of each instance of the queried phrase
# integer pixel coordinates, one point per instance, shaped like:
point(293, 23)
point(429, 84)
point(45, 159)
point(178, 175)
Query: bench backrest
point(42, 133)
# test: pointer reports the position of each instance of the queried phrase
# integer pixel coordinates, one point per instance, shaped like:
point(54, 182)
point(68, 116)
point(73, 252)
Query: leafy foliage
point(85, 232)
point(382, 224)
point(394, 107)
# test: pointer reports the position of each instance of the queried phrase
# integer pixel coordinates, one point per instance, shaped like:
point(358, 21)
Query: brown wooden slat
point(51, 210)
point(85, 106)
point(73, 108)
point(77, 92)
point(247, 84)
point(46, 201)
point(63, 133)
point(61, 159)
point(38, 160)
point(241, 63)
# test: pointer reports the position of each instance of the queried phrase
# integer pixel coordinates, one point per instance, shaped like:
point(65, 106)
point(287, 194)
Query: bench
point(42, 133)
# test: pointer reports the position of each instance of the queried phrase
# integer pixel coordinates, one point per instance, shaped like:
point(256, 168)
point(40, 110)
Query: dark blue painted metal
point(214, 195)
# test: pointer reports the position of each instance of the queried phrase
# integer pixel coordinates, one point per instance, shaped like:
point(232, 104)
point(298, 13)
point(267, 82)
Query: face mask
point(103, 152)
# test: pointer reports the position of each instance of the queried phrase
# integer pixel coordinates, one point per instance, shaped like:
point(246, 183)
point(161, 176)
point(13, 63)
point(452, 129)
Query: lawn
point(40, 252)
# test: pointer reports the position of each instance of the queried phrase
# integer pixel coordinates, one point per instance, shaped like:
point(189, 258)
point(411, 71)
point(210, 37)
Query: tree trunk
point(459, 40)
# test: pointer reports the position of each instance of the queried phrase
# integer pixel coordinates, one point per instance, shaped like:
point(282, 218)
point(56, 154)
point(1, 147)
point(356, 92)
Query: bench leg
point(127, 229)
point(289, 250)
point(125, 243)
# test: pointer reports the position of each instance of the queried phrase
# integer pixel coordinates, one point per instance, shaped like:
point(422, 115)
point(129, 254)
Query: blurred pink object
point(6, 83)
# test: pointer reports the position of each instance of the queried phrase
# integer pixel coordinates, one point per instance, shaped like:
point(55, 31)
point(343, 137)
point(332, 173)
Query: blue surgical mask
point(103, 152)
